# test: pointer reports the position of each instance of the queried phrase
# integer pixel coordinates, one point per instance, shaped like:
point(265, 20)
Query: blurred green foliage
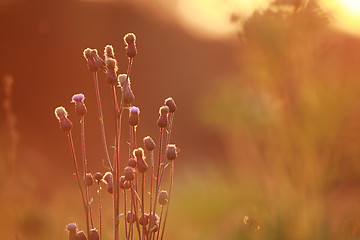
point(289, 123)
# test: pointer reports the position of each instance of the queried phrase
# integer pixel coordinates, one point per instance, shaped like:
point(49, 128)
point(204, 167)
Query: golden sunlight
point(212, 17)
point(345, 13)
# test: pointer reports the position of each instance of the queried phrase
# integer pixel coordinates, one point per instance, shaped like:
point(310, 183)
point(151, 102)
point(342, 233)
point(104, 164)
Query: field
point(267, 128)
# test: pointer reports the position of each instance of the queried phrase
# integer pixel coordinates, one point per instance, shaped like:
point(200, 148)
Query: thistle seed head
point(89, 180)
point(163, 197)
point(98, 177)
point(93, 234)
point(87, 53)
point(78, 98)
point(149, 143)
point(130, 217)
point(80, 235)
point(130, 41)
point(121, 182)
point(80, 107)
point(171, 152)
point(129, 173)
point(134, 116)
point(72, 229)
point(162, 122)
point(171, 104)
point(142, 165)
point(111, 78)
point(109, 181)
point(127, 185)
point(108, 177)
point(131, 50)
point(109, 52)
point(122, 80)
point(144, 219)
point(138, 153)
point(132, 162)
point(129, 38)
point(128, 94)
point(164, 110)
point(111, 64)
point(91, 62)
point(60, 112)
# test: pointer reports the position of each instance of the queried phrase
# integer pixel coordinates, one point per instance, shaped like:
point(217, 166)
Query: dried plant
point(138, 209)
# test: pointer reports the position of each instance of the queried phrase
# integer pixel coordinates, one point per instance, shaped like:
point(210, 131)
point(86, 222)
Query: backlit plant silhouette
point(144, 210)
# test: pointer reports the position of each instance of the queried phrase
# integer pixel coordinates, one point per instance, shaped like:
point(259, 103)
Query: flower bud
point(155, 219)
point(127, 185)
point(129, 173)
point(131, 50)
point(164, 110)
point(60, 112)
point(134, 116)
point(130, 41)
point(129, 38)
point(72, 229)
point(163, 197)
point(132, 162)
point(162, 122)
point(122, 80)
point(149, 143)
point(122, 182)
point(61, 115)
point(80, 235)
point(80, 107)
point(109, 52)
point(142, 165)
point(109, 180)
point(144, 219)
point(171, 104)
point(130, 217)
point(91, 63)
point(112, 68)
point(171, 152)
point(98, 177)
point(99, 61)
point(94, 235)
point(138, 153)
point(89, 179)
point(128, 94)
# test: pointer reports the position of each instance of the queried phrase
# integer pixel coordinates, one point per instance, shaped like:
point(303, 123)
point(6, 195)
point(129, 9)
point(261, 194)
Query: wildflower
point(149, 143)
point(130, 41)
point(171, 152)
point(134, 116)
point(171, 104)
point(80, 107)
point(61, 114)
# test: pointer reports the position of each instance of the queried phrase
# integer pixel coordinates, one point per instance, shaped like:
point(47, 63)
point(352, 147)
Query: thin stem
point(100, 219)
point(117, 165)
point(84, 162)
point(101, 119)
point(161, 213)
point(151, 179)
point(125, 212)
point(157, 184)
point(143, 203)
point(168, 203)
point(135, 198)
point(167, 143)
point(77, 175)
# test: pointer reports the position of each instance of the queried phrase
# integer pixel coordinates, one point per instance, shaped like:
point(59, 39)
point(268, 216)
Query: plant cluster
point(144, 210)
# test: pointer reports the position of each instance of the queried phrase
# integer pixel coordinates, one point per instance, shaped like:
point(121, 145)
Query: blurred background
point(267, 121)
